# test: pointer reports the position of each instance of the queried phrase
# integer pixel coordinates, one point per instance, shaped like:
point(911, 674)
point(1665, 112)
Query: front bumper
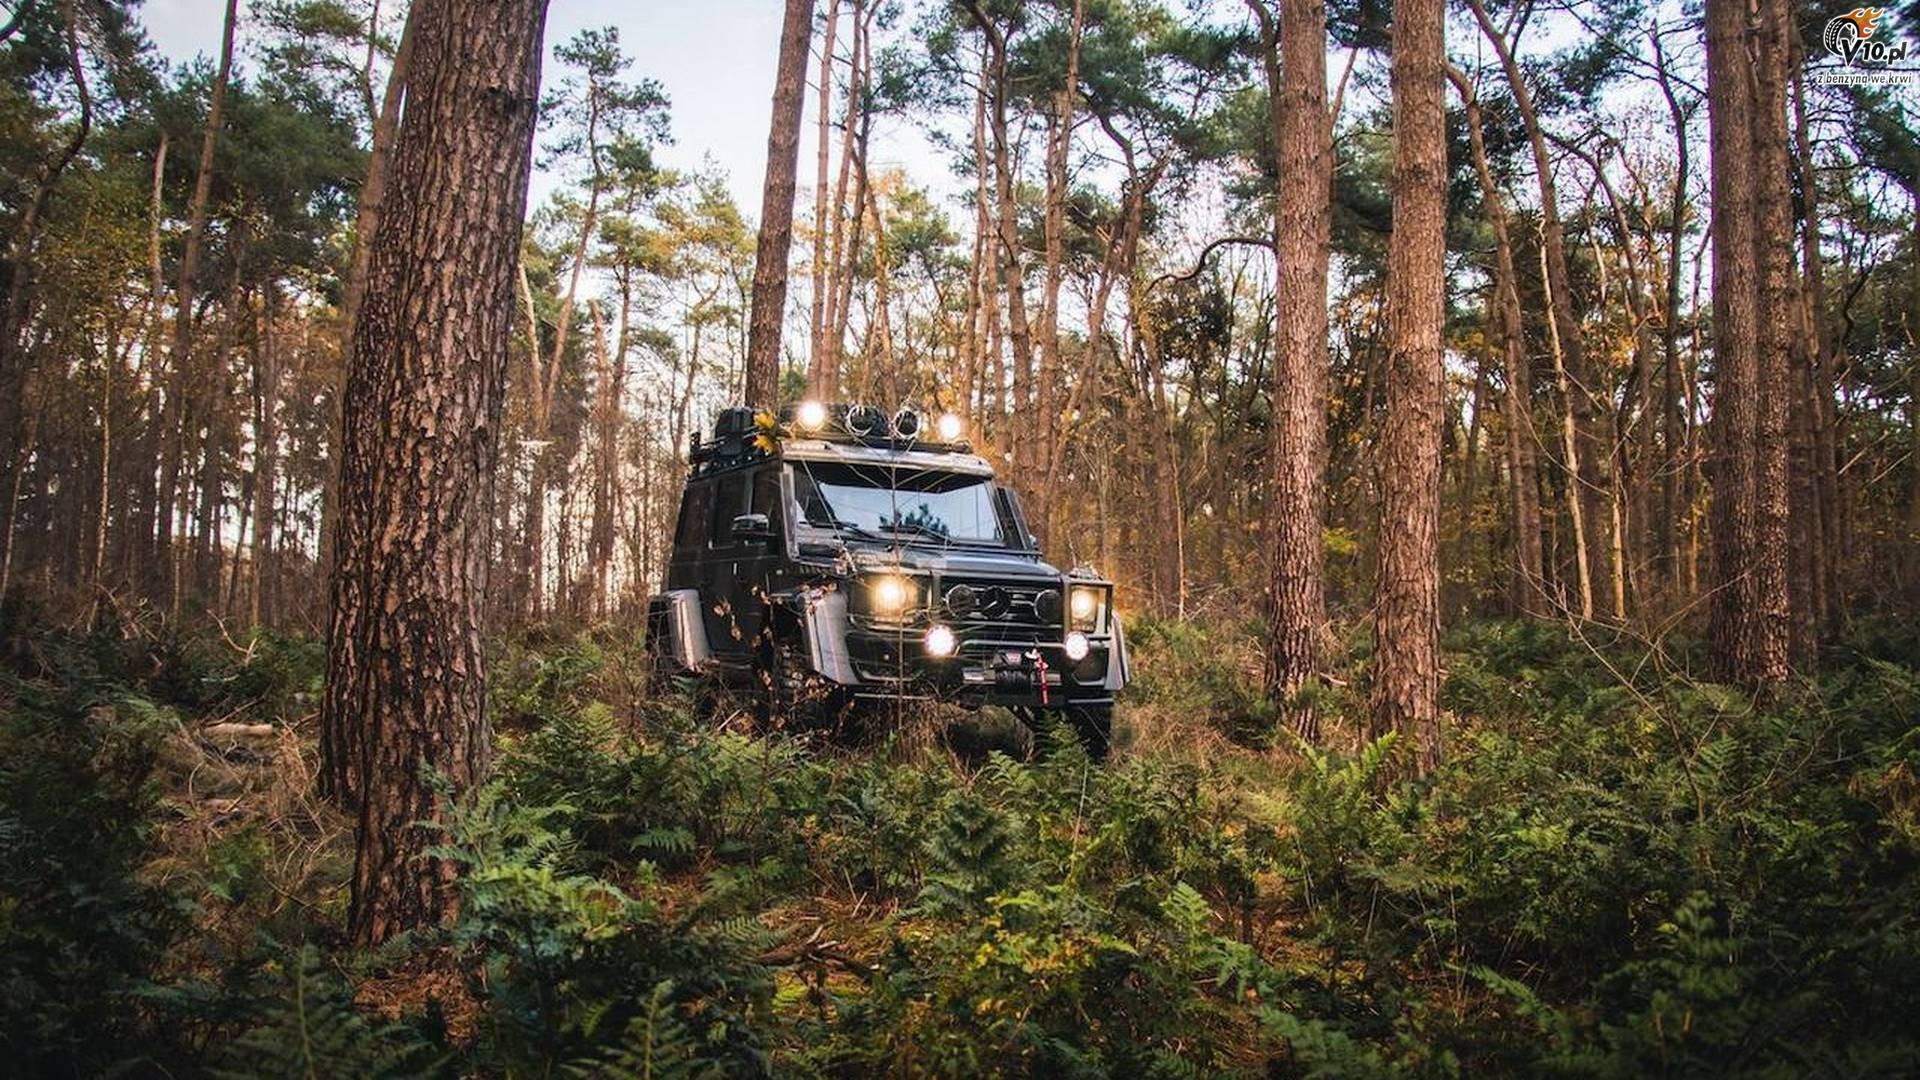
point(989, 667)
point(993, 664)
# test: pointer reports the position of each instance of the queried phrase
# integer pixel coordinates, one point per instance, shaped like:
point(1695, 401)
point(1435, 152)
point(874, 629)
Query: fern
point(311, 1029)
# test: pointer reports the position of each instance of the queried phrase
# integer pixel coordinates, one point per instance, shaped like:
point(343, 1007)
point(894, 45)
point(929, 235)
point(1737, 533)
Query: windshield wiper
point(917, 529)
point(855, 529)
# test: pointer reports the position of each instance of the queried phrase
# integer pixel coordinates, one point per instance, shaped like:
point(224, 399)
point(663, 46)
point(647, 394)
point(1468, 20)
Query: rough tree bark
point(776, 209)
point(1748, 610)
point(1296, 69)
point(1406, 679)
point(405, 668)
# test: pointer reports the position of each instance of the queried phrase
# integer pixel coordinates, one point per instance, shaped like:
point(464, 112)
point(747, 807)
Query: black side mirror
point(752, 527)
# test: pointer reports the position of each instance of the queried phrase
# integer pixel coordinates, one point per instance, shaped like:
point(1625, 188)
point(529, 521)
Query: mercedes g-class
point(830, 558)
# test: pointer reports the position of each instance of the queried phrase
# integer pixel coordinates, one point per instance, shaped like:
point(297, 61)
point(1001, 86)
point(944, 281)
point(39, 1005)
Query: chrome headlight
point(1087, 607)
point(889, 596)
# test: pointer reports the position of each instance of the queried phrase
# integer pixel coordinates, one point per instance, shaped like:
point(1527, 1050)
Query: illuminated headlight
point(890, 595)
point(1077, 646)
point(949, 427)
point(1087, 607)
point(941, 642)
point(810, 416)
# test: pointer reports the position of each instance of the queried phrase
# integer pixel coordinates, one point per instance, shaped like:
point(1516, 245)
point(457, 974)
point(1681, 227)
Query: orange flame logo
point(1866, 19)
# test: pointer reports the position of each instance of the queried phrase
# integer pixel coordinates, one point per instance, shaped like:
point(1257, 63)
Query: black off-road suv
point(834, 558)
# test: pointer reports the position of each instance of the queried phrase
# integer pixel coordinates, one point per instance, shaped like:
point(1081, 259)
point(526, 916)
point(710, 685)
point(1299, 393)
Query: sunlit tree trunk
point(817, 356)
point(1296, 70)
point(776, 209)
point(1406, 681)
point(1667, 525)
point(405, 692)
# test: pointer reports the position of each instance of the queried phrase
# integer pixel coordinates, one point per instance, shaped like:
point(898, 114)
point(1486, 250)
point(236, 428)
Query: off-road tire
point(1094, 725)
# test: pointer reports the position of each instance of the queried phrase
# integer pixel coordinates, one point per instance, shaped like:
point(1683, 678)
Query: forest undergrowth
point(1620, 871)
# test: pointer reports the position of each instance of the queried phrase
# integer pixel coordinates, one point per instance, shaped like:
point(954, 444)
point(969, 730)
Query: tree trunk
point(606, 416)
point(1780, 339)
point(1012, 273)
point(1825, 481)
point(1406, 682)
point(1584, 464)
point(1047, 411)
point(776, 209)
point(817, 355)
point(373, 201)
point(405, 665)
point(1667, 526)
point(19, 267)
point(266, 440)
point(1527, 588)
point(1748, 611)
point(1296, 70)
point(173, 427)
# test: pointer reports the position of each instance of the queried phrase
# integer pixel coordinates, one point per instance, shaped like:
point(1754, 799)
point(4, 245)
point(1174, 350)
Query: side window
point(694, 508)
point(766, 496)
point(729, 494)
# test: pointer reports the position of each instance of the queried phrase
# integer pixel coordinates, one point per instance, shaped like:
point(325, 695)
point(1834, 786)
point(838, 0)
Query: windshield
point(899, 503)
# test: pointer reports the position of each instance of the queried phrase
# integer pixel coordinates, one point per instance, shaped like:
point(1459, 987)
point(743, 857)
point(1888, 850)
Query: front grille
point(998, 605)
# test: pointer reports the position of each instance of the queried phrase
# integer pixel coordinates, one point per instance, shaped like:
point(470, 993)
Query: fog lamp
point(810, 416)
point(1077, 646)
point(941, 642)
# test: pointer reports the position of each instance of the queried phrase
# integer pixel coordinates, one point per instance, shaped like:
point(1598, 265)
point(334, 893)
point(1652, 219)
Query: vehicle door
point(757, 560)
point(686, 566)
point(725, 597)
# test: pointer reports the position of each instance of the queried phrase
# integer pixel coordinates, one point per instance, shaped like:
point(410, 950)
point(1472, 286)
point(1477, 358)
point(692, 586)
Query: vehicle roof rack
point(867, 425)
point(741, 436)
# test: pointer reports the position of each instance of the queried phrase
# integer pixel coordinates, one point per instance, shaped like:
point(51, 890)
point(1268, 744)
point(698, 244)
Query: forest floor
point(1621, 870)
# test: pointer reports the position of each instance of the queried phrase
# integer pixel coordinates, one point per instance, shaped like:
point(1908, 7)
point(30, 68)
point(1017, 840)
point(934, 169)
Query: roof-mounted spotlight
point(810, 416)
point(865, 421)
point(949, 427)
point(906, 424)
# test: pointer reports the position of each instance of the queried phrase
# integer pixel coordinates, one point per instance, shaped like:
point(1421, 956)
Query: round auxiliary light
point(810, 416)
point(1046, 604)
point(1077, 646)
point(864, 420)
point(906, 424)
point(949, 427)
point(961, 600)
point(940, 641)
